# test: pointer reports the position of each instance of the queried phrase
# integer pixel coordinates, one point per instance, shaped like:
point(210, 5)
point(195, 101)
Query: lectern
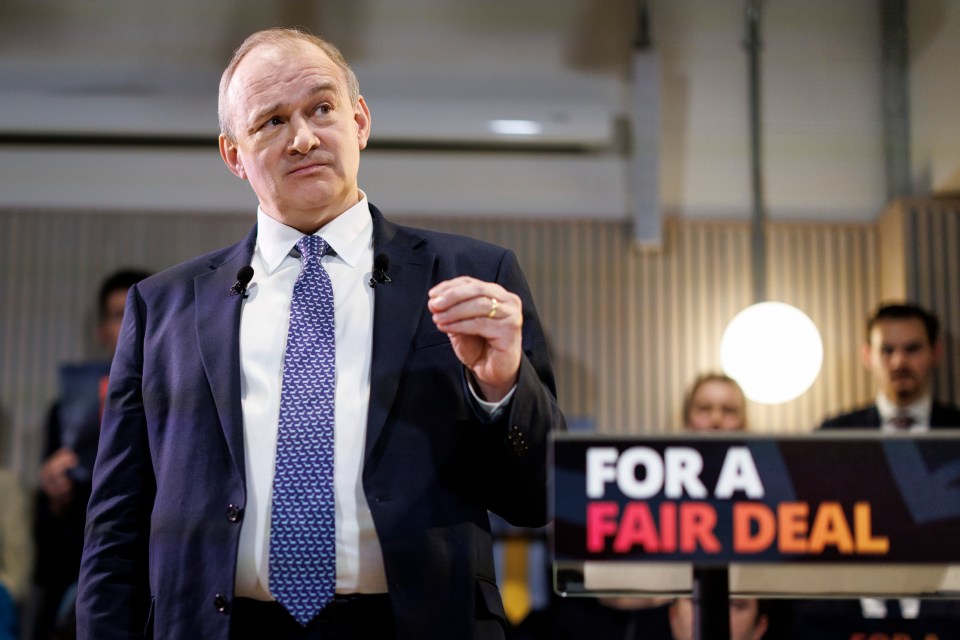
point(817, 515)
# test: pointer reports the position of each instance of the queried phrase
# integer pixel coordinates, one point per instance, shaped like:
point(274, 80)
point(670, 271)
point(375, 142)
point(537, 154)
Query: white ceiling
point(432, 70)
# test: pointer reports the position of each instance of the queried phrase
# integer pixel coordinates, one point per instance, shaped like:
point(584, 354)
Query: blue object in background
point(9, 618)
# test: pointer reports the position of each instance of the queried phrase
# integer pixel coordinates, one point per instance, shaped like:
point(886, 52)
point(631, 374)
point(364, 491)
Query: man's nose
point(897, 359)
point(304, 139)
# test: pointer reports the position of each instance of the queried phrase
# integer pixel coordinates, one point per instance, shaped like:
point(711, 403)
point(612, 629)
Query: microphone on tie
point(244, 276)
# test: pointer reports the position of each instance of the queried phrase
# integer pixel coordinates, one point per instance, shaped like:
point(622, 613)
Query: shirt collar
point(348, 235)
point(919, 410)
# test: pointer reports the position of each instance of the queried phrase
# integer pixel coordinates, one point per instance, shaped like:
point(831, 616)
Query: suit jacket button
point(220, 602)
point(234, 513)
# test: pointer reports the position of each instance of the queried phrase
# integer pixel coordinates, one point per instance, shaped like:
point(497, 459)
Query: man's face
point(298, 136)
point(901, 359)
point(108, 331)
point(746, 621)
point(716, 405)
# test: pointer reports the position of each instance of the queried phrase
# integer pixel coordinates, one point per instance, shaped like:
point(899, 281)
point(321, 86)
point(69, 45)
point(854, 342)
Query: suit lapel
point(398, 308)
point(218, 334)
point(943, 417)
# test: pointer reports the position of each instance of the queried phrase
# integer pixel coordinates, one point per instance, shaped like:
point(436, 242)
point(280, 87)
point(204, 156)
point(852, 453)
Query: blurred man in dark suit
point(902, 351)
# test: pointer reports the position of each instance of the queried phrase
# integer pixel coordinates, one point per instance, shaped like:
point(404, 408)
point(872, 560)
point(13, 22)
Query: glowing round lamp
point(773, 350)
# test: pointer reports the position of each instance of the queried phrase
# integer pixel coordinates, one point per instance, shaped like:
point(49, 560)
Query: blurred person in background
point(715, 402)
point(749, 619)
point(901, 351)
point(72, 432)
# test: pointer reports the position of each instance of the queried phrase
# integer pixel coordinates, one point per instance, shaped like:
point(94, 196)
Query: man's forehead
point(272, 64)
point(900, 330)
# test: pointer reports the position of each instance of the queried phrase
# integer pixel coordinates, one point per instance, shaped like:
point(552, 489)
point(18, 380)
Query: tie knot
point(312, 247)
point(903, 421)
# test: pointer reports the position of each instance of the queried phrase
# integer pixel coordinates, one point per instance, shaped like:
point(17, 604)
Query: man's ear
point(937, 351)
point(231, 157)
point(361, 115)
point(865, 356)
point(760, 628)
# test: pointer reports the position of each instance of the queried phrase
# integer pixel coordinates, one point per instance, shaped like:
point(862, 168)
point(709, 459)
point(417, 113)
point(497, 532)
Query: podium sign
point(860, 498)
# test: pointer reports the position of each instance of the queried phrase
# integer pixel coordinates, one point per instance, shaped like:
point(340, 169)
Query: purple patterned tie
point(302, 529)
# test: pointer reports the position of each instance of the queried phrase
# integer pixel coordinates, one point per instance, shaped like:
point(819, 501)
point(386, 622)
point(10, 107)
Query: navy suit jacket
point(165, 514)
point(942, 416)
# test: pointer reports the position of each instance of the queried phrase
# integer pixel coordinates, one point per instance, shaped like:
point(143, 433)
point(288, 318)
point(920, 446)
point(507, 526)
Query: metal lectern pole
point(711, 603)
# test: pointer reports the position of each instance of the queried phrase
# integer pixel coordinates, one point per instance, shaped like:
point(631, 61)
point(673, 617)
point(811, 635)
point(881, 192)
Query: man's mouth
point(306, 167)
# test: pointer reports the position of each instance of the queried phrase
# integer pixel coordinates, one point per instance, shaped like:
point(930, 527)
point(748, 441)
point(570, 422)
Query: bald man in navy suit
point(444, 397)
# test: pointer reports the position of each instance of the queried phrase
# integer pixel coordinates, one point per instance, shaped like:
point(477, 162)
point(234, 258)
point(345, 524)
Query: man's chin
point(906, 394)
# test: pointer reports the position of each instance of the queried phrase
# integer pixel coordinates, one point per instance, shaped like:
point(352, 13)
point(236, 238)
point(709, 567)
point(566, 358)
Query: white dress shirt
point(263, 337)
point(919, 410)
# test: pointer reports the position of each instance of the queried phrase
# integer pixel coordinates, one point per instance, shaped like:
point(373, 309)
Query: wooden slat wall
point(830, 272)
point(629, 330)
point(931, 238)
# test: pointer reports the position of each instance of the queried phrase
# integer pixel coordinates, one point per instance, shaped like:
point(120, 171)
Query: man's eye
point(323, 109)
point(275, 121)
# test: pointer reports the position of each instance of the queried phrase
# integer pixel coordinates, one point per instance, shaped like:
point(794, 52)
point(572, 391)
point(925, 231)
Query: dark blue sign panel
point(818, 498)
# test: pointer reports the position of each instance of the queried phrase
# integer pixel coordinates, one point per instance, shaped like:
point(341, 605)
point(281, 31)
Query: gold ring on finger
point(494, 305)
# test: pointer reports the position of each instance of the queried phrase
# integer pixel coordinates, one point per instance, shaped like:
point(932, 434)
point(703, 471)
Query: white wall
point(935, 95)
point(822, 153)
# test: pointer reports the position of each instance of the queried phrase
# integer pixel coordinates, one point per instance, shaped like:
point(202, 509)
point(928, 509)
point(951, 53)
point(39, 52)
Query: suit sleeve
point(114, 595)
point(516, 444)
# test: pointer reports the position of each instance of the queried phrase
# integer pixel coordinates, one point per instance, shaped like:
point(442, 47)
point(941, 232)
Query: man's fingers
point(455, 301)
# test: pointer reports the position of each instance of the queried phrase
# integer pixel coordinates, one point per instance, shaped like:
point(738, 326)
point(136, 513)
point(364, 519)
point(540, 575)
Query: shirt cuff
point(491, 410)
